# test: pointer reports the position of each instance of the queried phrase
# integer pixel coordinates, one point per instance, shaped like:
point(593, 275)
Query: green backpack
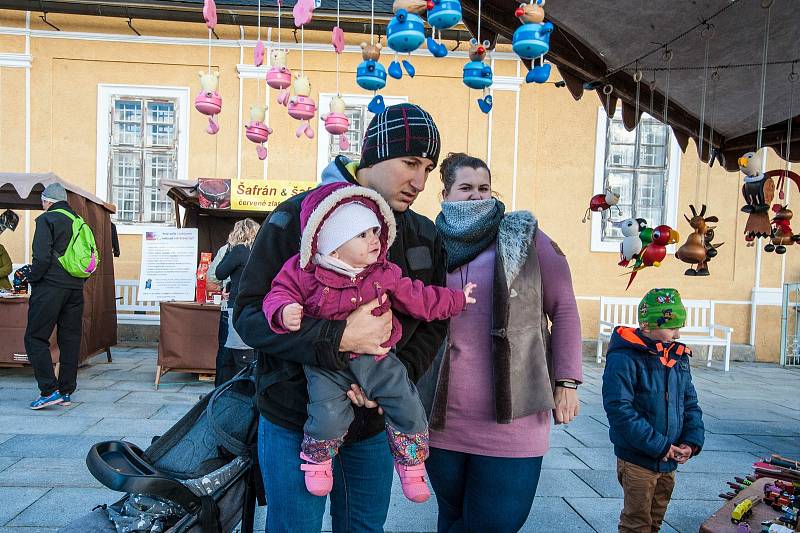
point(81, 257)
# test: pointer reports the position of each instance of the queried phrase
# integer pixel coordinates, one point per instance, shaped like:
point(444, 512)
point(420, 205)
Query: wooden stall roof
point(19, 190)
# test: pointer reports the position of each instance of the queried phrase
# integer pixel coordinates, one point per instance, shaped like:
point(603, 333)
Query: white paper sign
point(169, 265)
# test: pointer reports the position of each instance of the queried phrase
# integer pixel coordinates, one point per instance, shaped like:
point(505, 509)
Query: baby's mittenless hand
point(291, 316)
point(674, 454)
point(468, 288)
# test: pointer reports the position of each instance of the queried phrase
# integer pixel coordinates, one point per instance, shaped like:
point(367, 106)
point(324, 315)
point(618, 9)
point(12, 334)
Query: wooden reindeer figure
point(698, 249)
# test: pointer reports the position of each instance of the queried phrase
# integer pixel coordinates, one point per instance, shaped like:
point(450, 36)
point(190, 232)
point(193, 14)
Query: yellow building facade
point(548, 153)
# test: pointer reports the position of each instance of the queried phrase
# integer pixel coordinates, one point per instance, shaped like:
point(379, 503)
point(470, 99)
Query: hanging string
point(372, 22)
point(763, 80)
point(652, 95)
point(479, 22)
point(668, 59)
point(209, 50)
point(788, 152)
point(258, 83)
point(714, 79)
point(637, 77)
point(706, 34)
point(337, 53)
point(279, 23)
point(302, 49)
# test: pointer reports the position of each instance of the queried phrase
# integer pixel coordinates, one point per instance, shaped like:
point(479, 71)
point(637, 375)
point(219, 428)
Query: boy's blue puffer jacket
point(650, 400)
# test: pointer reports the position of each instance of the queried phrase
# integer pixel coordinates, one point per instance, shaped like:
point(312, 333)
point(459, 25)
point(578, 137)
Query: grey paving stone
point(597, 458)
point(160, 397)
point(701, 486)
point(73, 503)
point(15, 500)
point(20, 382)
point(687, 516)
point(171, 412)
point(561, 459)
point(405, 515)
point(21, 406)
point(55, 472)
point(104, 396)
point(113, 410)
point(29, 423)
point(131, 375)
point(732, 443)
point(753, 427)
point(561, 439)
point(603, 513)
point(66, 446)
point(554, 514)
point(780, 445)
point(129, 426)
point(5, 462)
point(720, 462)
point(561, 482)
point(5, 437)
point(604, 482)
point(95, 383)
point(28, 530)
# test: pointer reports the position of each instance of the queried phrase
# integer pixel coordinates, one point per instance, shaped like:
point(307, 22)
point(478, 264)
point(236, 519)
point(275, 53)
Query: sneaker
point(44, 401)
point(412, 480)
point(65, 399)
point(319, 476)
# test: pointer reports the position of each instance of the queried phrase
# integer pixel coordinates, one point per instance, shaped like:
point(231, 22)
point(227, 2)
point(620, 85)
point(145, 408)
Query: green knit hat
point(662, 309)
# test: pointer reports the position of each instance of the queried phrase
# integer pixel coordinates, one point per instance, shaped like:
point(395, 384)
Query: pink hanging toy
point(301, 106)
point(258, 131)
point(209, 102)
point(337, 123)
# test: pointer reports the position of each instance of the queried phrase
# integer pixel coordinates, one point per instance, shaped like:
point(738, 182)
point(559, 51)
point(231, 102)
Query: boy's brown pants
point(647, 495)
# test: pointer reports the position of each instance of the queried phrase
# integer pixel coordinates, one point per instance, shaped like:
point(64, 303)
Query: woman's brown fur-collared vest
point(523, 382)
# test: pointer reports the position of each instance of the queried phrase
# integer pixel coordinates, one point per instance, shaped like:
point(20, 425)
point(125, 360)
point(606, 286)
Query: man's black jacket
point(282, 393)
point(50, 240)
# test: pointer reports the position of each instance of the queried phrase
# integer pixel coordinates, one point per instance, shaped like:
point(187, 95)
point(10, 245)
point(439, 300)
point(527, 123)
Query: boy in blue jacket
point(655, 422)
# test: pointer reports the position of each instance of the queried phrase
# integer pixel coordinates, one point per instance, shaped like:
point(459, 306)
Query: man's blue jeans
point(479, 494)
point(362, 482)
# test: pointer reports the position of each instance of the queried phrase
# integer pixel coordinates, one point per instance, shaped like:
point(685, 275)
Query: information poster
point(248, 195)
point(169, 265)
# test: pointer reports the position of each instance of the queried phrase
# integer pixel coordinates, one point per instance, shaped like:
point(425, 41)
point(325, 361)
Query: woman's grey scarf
point(468, 227)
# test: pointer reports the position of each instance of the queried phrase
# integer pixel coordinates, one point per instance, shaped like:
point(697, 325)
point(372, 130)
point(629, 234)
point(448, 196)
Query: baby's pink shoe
point(412, 479)
point(319, 476)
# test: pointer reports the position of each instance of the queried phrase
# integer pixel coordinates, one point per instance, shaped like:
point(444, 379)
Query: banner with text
point(248, 194)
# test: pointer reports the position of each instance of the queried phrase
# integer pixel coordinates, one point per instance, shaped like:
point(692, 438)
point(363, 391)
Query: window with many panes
point(143, 149)
point(359, 117)
point(636, 168)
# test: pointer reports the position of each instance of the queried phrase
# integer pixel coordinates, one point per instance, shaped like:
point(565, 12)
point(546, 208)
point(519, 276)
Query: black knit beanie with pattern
point(400, 130)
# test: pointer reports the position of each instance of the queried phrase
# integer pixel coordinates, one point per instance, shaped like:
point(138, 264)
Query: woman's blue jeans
point(362, 482)
point(481, 494)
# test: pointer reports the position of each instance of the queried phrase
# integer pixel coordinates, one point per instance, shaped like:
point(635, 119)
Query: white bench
point(700, 328)
point(131, 311)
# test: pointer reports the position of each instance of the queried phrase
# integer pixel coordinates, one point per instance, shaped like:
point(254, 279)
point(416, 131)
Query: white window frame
point(670, 200)
point(324, 138)
point(105, 92)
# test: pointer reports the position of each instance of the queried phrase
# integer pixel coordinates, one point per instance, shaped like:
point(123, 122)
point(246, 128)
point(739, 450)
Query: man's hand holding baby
point(291, 316)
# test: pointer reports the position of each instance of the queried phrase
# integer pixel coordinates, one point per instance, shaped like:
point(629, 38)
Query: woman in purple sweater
point(504, 371)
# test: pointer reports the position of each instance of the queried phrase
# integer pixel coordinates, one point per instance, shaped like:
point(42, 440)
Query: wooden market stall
point(21, 191)
point(188, 330)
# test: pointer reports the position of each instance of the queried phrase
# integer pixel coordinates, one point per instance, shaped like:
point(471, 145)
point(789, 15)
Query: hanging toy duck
point(301, 106)
point(442, 14)
point(405, 33)
point(532, 39)
point(371, 75)
point(758, 191)
point(477, 74)
point(209, 102)
point(278, 76)
point(601, 202)
point(337, 123)
point(258, 131)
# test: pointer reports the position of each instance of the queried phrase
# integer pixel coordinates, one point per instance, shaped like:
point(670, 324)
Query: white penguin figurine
point(631, 244)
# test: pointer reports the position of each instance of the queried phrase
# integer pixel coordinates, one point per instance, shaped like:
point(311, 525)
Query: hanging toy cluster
point(532, 39)
point(442, 14)
point(644, 246)
point(698, 249)
point(301, 106)
point(371, 75)
point(601, 202)
point(208, 101)
point(257, 130)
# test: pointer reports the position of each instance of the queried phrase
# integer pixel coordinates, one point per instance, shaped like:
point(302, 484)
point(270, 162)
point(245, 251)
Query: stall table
point(188, 338)
point(720, 522)
point(13, 321)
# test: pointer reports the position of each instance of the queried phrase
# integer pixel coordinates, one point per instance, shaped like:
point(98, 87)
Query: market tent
point(23, 191)
point(213, 225)
point(603, 43)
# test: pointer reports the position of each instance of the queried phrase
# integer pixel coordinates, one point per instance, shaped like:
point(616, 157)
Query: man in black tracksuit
point(400, 148)
point(56, 299)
